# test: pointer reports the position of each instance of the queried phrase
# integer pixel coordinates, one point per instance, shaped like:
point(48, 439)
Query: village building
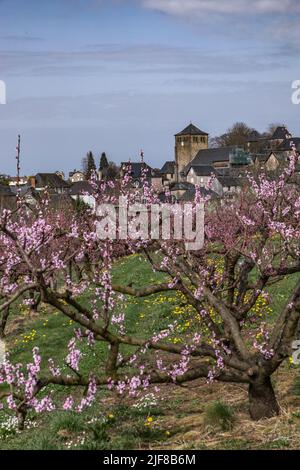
point(61, 174)
point(192, 150)
point(15, 181)
point(188, 143)
point(220, 159)
point(82, 191)
point(50, 181)
point(76, 175)
point(218, 172)
point(141, 171)
point(168, 172)
point(190, 194)
point(178, 189)
point(231, 185)
point(281, 142)
point(268, 162)
point(7, 197)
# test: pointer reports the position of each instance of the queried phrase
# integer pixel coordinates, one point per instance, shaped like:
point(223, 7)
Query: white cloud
point(204, 7)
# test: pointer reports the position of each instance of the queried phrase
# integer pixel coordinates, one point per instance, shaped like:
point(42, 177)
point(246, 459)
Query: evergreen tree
point(91, 167)
point(103, 161)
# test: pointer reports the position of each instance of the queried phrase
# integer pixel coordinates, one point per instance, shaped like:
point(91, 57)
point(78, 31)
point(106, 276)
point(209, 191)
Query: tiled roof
point(191, 130)
point(51, 180)
point(5, 190)
point(137, 167)
point(80, 187)
point(210, 156)
point(288, 144)
point(169, 167)
point(281, 133)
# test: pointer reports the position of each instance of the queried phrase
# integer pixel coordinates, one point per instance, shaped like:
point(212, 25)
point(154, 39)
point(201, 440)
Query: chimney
point(32, 181)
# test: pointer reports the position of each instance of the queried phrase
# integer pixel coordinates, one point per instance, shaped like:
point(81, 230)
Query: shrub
point(219, 415)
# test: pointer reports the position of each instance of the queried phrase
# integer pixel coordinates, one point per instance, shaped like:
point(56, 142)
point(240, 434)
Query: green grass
point(144, 316)
point(69, 421)
point(220, 416)
point(280, 443)
point(52, 331)
point(235, 444)
point(280, 292)
point(296, 386)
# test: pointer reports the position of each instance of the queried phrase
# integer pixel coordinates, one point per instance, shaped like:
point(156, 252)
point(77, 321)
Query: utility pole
point(18, 149)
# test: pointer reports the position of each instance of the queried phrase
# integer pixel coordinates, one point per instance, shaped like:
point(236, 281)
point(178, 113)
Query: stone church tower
point(187, 144)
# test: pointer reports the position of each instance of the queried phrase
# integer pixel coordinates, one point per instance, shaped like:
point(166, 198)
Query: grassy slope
point(177, 423)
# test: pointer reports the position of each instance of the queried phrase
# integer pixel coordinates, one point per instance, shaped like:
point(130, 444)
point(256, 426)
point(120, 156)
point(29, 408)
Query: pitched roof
point(155, 173)
point(80, 187)
point(281, 133)
point(24, 190)
point(169, 167)
point(288, 144)
point(210, 156)
point(71, 173)
point(262, 157)
point(137, 167)
point(5, 190)
point(191, 130)
point(51, 180)
point(203, 170)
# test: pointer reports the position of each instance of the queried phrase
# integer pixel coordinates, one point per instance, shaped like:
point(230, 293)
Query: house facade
point(75, 176)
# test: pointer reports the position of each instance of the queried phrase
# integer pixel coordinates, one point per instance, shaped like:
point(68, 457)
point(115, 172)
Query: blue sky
point(121, 75)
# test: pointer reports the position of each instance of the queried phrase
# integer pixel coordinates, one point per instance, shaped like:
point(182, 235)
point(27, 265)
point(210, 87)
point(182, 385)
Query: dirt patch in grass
point(184, 417)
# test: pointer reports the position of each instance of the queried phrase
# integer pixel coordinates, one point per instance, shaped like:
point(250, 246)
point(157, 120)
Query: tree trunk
point(3, 322)
point(262, 399)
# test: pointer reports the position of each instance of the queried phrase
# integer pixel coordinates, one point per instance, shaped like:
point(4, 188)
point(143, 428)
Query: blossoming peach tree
point(251, 242)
